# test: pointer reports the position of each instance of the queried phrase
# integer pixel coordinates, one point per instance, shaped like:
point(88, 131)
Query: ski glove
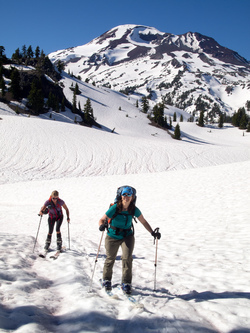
point(156, 234)
point(103, 226)
point(45, 211)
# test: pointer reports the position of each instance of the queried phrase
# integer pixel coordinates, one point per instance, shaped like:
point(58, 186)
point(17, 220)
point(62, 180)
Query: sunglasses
point(54, 198)
point(127, 195)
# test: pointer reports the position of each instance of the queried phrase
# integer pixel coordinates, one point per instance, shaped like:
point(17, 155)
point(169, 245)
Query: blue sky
point(53, 24)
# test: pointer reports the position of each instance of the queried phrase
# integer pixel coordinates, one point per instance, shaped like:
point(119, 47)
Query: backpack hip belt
point(120, 230)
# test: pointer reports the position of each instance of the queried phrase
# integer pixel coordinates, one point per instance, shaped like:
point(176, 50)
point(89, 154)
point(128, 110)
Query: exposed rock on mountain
point(190, 71)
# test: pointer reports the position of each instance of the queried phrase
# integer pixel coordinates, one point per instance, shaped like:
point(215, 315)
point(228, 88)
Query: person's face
point(126, 199)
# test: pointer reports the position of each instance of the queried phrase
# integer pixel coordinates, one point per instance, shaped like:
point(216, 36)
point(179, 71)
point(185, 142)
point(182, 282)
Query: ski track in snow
point(58, 151)
point(196, 191)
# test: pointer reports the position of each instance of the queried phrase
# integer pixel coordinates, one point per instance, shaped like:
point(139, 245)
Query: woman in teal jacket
point(120, 233)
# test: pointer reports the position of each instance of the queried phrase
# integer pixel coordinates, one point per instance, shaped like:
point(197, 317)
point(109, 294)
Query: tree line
point(41, 93)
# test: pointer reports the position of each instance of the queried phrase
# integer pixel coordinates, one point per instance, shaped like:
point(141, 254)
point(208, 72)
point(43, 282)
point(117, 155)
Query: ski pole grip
point(156, 234)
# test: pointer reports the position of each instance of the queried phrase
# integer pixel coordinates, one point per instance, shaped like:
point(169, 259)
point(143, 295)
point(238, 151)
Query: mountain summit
point(182, 70)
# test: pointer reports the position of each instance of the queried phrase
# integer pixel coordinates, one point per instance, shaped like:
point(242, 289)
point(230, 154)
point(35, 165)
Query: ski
point(44, 254)
point(56, 255)
point(108, 292)
point(131, 299)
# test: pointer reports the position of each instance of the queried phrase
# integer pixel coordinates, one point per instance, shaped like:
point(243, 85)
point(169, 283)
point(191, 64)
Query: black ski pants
point(52, 222)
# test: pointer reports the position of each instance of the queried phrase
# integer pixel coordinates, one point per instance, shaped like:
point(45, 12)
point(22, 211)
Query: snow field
point(196, 191)
point(202, 269)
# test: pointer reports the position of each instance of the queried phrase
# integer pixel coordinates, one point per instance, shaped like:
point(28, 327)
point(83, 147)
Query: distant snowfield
point(196, 191)
point(35, 149)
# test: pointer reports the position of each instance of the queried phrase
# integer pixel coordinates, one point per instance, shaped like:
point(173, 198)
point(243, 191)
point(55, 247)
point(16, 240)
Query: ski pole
point(156, 247)
point(37, 232)
point(68, 236)
point(90, 287)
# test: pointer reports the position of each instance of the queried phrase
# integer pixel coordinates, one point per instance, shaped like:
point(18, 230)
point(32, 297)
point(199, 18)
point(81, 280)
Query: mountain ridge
point(143, 61)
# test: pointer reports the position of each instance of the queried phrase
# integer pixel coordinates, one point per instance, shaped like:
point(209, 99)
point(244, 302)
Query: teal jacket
point(122, 223)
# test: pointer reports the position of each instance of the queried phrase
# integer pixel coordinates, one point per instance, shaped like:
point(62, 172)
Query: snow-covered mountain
point(190, 71)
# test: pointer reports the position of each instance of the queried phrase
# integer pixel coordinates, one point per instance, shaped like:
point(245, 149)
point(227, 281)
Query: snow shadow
point(194, 140)
point(241, 330)
point(94, 321)
point(208, 295)
point(12, 319)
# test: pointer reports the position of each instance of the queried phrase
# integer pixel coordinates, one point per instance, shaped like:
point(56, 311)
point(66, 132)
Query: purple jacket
point(55, 210)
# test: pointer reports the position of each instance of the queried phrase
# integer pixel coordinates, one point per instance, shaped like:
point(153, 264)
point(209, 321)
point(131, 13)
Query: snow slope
point(196, 191)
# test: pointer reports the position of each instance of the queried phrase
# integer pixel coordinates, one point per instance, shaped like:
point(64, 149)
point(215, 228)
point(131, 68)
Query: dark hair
point(131, 207)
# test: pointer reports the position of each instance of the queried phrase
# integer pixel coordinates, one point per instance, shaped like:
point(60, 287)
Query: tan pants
point(112, 246)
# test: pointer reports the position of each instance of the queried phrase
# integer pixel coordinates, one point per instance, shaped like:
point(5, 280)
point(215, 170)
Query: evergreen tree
point(2, 51)
point(215, 108)
point(88, 112)
point(42, 55)
point(3, 57)
point(30, 53)
point(15, 84)
point(174, 117)
point(221, 121)
point(177, 132)
point(165, 121)
point(144, 104)
point(74, 109)
point(35, 98)
point(243, 121)
point(57, 105)
point(170, 122)
point(24, 51)
point(235, 121)
point(181, 118)
point(37, 52)
point(51, 101)
point(201, 119)
point(2, 86)
point(77, 91)
point(60, 66)
point(158, 112)
point(47, 64)
point(237, 118)
point(248, 126)
point(248, 105)
point(63, 105)
point(17, 55)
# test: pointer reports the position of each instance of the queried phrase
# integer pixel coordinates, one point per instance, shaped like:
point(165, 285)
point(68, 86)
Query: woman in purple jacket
point(53, 206)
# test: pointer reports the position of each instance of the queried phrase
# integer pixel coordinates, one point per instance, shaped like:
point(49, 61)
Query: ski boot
point(107, 285)
point(59, 242)
point(127, 289)
point(47, 243)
